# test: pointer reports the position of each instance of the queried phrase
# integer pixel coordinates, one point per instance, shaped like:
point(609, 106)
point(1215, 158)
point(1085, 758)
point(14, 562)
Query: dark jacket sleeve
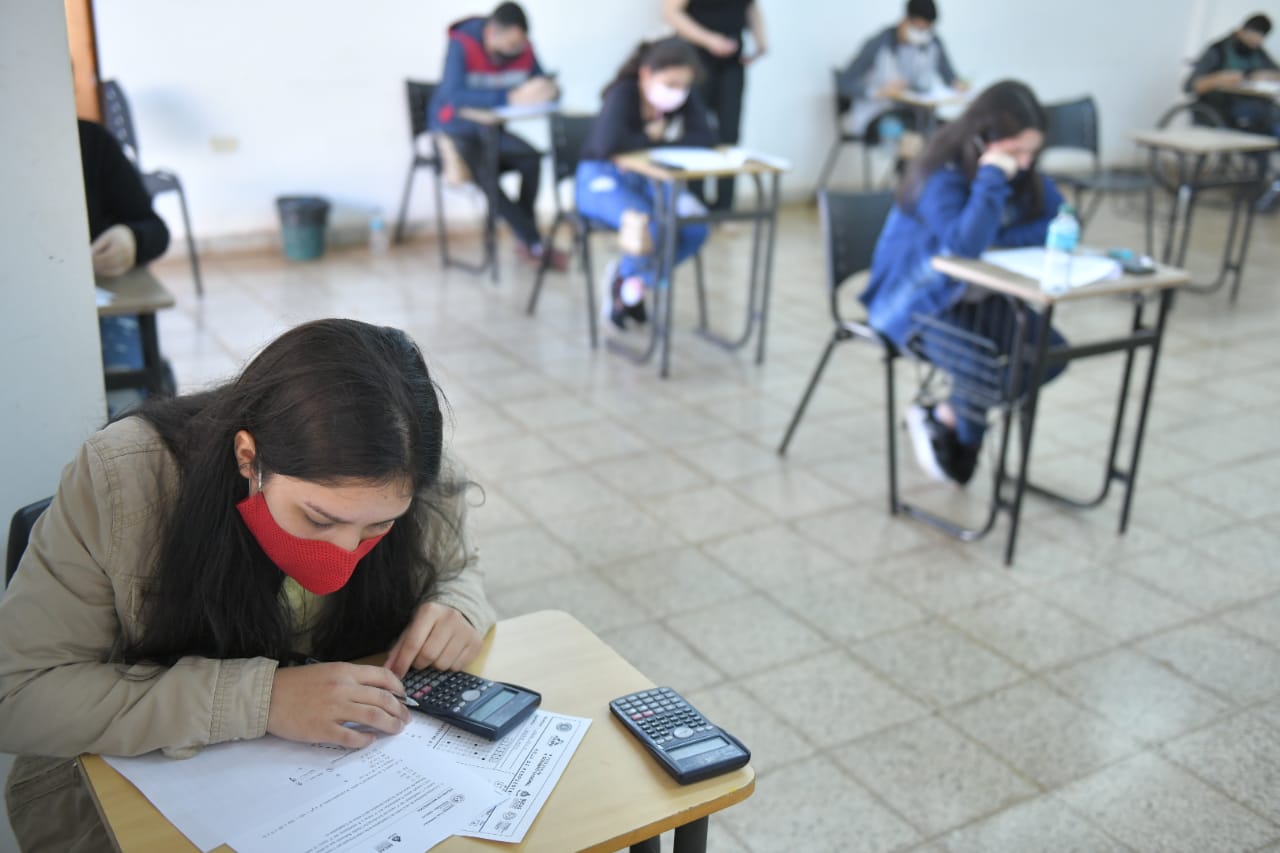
point(614, 129)
point(697, 130)
point(1209, 62)
point(453, 83)
point(852, 79)
point(124, 200)
point(1268, 64)
point(945, 68)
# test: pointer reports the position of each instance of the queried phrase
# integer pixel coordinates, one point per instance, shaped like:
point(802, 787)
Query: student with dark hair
point(1228, 63)
point(198, 548)
point(975, 187)
point(906, 56)
point(715, 28)
point(651, 101)
point(491, 63)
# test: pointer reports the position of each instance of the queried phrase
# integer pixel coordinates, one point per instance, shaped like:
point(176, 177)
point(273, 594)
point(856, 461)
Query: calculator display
point(492, 704)
point(698, 748)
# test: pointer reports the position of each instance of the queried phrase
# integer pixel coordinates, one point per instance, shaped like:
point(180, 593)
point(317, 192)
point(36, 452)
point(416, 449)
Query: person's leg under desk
point(471, 149)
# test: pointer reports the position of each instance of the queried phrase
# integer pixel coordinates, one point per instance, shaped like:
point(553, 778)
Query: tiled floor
point(901, 691)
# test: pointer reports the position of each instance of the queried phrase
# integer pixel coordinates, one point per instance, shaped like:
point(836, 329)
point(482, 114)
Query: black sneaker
point(638, 312)
point(937, 449)
point(611, 305)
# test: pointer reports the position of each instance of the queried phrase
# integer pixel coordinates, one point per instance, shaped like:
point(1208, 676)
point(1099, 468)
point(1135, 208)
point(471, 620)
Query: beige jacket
point(78, 591)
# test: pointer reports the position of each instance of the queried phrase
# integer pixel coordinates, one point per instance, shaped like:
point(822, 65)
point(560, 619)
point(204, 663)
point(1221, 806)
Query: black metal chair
point(851, 224)
point(843, 103)
point(1073, 125)
point(419, 97)
point(568, 135)
point(118, 120)
point(19, 533)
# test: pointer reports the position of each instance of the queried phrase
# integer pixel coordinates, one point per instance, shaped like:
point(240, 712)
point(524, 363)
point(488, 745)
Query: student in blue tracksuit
point(652, 101)
point(975, 187)
point(491, 63)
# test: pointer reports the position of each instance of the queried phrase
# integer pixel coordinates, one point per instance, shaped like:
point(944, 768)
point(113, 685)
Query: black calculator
point(686, 745)
point(486, 708)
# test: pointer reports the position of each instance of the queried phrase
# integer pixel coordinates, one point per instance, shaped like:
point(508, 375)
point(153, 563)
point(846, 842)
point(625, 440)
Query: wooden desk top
point(642, 163)
point(135, 292)
point(1028, 290)
point(501, 115)
point(1206, 140)
point(611, 795)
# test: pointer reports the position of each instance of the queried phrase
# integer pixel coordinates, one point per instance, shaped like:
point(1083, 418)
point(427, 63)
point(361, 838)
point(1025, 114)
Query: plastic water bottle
point(890, 128)
point(1059, 244)
point(379, 239)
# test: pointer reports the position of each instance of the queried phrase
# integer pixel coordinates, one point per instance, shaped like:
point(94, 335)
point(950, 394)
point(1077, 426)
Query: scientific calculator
point(686, 745)
point(486, 708)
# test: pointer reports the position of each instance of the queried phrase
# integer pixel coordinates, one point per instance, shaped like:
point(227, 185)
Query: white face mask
point(664, 98)
point(918, 38)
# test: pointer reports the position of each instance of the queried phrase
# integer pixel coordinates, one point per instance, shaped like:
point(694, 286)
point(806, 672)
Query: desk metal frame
point(764, 218)
point(1189, 182)
point(1037, 361)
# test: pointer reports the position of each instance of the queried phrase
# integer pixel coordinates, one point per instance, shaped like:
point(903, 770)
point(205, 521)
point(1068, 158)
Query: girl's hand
point(439, 637)
point(1002, 160)
point(311, 703)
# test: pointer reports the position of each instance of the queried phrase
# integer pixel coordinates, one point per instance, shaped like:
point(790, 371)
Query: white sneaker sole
point(921, 444)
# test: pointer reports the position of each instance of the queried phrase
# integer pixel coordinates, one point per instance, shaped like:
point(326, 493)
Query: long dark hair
point(330, 401)
point(670, 52)
point(1001, 111)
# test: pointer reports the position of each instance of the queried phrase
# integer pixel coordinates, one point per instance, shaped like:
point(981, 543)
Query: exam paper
point(1029, 261)
point(399, 801)
point(103, 296)
point(523, 767)
point(515, 111)
point(696, 159)
point(230, 787)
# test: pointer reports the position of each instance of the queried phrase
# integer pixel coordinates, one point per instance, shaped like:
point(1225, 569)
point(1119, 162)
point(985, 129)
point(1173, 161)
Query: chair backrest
point(1072, 124)
point(843, 102)
point(118, 119)
point(851, 225)
point(568, 134)
point(420, 95)
point(19, 532)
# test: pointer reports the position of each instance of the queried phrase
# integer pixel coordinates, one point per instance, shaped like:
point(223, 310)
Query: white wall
point(49, 352)
point(312, 89)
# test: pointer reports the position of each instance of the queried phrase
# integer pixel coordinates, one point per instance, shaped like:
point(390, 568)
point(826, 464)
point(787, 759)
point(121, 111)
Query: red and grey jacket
point(472, 78)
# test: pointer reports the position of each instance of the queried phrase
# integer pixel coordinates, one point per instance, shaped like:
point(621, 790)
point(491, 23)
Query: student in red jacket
point(491, 63)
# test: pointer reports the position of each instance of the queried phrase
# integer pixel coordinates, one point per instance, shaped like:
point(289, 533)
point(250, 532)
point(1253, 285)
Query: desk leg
point(1235, 266)
point(494, 146)
point(774, 198)
point(1162, 315)
point(152, 363)
point(667, 270)
point(1028, 427)
point(649, 845)
point(692, 837)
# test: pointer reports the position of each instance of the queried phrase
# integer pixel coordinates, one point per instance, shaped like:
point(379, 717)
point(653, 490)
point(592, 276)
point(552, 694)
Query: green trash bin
point(303, 219)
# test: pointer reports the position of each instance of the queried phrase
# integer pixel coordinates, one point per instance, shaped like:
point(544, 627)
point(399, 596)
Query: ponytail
point(668, 52)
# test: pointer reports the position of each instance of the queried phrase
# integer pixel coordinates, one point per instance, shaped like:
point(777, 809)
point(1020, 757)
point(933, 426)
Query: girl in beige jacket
point(195, 549)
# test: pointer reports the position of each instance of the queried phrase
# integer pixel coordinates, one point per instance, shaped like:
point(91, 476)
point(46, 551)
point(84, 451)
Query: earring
point(259, 481)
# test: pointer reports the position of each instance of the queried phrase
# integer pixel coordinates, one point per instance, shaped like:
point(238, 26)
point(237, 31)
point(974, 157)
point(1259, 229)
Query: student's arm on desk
point(612, 129)
point(126, 202)
point(435, 631)
point(60, 621)
point(453, 83)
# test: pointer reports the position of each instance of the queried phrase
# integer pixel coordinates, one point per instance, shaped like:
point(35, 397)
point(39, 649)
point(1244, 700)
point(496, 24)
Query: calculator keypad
point(662, 714)
point(448, 691)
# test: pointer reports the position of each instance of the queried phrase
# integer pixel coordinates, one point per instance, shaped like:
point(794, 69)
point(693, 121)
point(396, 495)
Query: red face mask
point(319, 567)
